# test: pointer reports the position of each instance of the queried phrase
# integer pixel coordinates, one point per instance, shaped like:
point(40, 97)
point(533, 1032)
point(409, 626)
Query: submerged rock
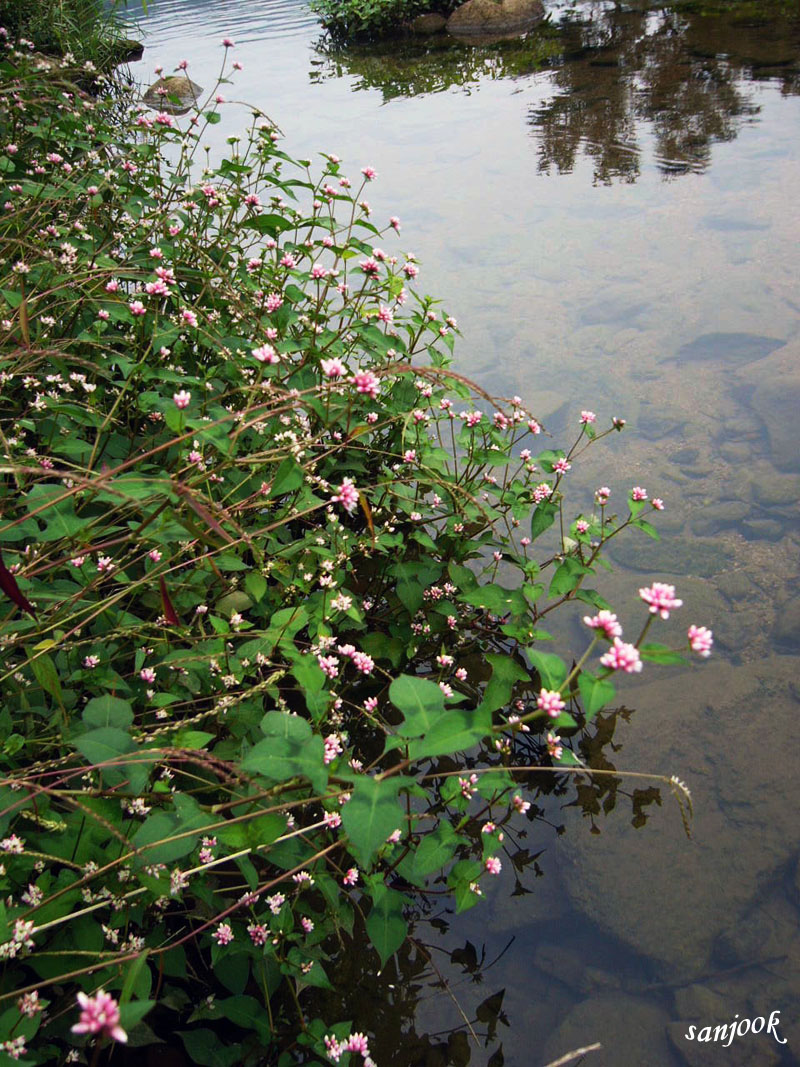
point(491, 17)
point(174, 94)
point(428, 24)
point(668, 898)
point(632, 1032)
point(773, 390)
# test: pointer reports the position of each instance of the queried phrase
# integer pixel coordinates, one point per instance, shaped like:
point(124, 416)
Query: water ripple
point(175, 20)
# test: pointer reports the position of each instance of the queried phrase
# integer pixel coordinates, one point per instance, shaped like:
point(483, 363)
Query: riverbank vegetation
point(276, 585)
point(360, 19)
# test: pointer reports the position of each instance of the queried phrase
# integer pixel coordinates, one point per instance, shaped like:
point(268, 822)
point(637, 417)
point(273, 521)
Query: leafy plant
point(275, 580)
point(349, 19)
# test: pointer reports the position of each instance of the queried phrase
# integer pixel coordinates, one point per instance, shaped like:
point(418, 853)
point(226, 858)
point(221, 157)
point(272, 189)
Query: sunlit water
point(617, 231)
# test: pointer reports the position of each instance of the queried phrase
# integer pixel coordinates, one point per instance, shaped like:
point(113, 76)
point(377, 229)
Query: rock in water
point(174, 94)
point(492, 17)
point(425, 25)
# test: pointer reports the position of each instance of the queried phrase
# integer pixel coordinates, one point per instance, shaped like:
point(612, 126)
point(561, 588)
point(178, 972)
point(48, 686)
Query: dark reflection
point(412, 67)
point(445, 971)
point(681, 73)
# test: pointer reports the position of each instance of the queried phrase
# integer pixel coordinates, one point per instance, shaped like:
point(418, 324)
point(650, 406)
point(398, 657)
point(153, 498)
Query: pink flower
point(307, 924)
point(99, 1015)
point(554, 746)
point(112, 286)
point(228, 43)
point(493, 865)
point(602, 494)
point(701, 639)
point(333, 368)
point(394, 222)
point(189, 317)
point(223, 934)
point(137, 308)
point(347, 496)
point(549, 700)
point(266, 354)
point(622, 657)
point(605, 621)
point(561, 466)
point(147, 674)
point(351, 877)
point(163, 119)
point(366, 382)
point(362, 662)
point(182, 399)
point(661, 598)
point(587, 417)
point(657, 503)
point(258, 933)
point(369, 173)
point(637, 493)
point(369, 266)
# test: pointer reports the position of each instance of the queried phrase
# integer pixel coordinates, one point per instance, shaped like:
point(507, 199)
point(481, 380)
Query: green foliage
point(256, 605)
point(349, 19)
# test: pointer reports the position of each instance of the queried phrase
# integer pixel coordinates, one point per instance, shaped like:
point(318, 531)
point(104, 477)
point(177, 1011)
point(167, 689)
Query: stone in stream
point(727, 348)
point(428, 24)
point(668, 898)
point(772, 386)
point(631, 1030)
point(485, 18)
point(174, 94)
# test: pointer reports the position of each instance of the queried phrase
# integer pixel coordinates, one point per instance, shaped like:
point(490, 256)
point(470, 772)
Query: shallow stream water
point(610, 209)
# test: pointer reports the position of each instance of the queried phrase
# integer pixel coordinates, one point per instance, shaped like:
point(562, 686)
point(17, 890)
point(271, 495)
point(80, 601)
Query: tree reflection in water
point(680, 75)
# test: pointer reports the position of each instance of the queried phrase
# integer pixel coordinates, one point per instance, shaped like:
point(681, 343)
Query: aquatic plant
point(275, 580)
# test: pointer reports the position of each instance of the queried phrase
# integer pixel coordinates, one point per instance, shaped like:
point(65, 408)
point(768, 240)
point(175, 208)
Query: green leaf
point(134, 1011)
point(205, 1048)
point(289, 727)
point(648, 528)
point(105, 743)
point(157, 827)
point(660, 654)
point(288, 477)
point(456, 730)
point(543, 517)
point(386, 926)
point(282, 758)
point(566, 578)
point(372, 814)
point(435, 850)
point(256, 585)
point(498, 600)
point(45, 673)
point(595, 693)
point(505, 671)
point(131, 975)
point(551, 668)
point(420, 700)
point(108, 711)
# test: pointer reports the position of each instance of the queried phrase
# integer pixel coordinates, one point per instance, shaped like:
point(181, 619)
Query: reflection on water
point(673, 303)
point(683, 73)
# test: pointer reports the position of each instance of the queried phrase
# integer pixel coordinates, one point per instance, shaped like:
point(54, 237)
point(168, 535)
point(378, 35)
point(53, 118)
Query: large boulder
point(174, 94)
point(488, 18)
